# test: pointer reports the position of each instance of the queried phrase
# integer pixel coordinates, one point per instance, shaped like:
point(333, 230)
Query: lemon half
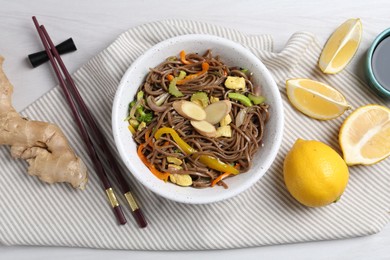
point(315, 99)
point(341, 46)
point(365, 135)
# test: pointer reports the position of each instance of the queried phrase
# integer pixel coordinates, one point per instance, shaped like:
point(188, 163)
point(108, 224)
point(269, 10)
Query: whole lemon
point(314, 173)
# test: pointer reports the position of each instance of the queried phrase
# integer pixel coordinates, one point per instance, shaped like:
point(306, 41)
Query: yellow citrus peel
point(315, 99)
point(365, 135)
point(341, 46)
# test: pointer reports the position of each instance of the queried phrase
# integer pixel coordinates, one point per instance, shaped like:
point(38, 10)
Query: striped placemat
point(35, 213)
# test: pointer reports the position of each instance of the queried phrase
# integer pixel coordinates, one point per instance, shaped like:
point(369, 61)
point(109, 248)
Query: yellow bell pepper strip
point(216, 164)
point(161, 175)
point(205, 68)
point(207, 160)
point(183, 58)
point(180, 142)
point(132, 130)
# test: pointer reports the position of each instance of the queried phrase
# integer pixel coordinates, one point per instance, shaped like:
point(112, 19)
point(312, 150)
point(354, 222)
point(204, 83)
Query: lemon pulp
point(365, 135)
point(315, 99)
point(341, 46)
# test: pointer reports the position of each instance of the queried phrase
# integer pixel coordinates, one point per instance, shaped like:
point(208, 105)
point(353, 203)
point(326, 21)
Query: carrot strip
point(220, 178)
point(223, 176)
point(141, 155)
point(205, 68)
point(161, 175)
point(170, 77)
point(183, 58)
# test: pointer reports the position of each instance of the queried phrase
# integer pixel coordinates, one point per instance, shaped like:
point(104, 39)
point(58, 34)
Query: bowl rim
point(370, 73)
point(271, 155)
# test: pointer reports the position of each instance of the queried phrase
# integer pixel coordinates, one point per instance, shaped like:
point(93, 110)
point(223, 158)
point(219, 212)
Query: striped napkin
point(35, 213)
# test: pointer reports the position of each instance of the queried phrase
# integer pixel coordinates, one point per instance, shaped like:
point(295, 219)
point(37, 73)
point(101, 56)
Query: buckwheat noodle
point(240, 148)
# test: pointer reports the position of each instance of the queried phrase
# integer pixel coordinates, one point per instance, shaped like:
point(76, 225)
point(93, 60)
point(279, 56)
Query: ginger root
point(41, 144)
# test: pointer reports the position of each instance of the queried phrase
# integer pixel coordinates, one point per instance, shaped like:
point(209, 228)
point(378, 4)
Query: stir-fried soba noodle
point(195, 159)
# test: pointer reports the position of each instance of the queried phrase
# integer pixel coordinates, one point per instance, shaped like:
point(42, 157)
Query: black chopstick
point(124, 185)
point(91, 149)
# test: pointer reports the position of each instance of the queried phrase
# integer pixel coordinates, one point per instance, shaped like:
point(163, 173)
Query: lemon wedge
point(315, 99)
point(341, 46)
point(365, 135)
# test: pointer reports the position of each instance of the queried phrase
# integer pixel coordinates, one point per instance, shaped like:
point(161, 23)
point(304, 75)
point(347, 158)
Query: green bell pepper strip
point(207, 160)
point(241, 98)
point(256, 99)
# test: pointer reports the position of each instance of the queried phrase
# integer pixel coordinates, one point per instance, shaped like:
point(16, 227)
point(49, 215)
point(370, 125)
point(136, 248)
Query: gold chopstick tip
point(131, 201)
point(112, 198)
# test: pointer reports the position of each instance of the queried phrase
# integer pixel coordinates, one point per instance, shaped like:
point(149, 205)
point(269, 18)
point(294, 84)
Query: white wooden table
point(94, 24)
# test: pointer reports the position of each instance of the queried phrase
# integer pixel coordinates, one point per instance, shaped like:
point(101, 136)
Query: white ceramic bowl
point(232, 54)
